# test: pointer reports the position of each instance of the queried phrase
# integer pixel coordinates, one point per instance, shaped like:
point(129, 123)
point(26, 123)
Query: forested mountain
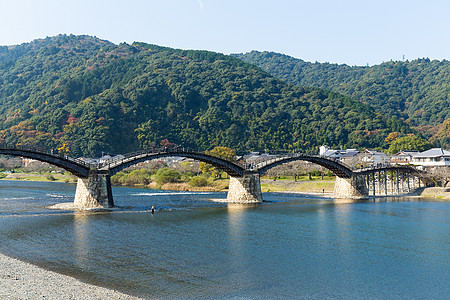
point(416, 91)
point(85, 95)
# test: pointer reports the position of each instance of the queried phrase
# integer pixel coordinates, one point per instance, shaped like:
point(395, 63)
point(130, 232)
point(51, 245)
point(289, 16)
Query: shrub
point(50, 177)
point(116, 178)
point(316, 173)
point(166, 175)
point(198, 181)
point(138, 176)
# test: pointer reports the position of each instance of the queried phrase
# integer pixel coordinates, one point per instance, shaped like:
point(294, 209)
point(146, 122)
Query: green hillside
point(86, 95)
point(416, 91)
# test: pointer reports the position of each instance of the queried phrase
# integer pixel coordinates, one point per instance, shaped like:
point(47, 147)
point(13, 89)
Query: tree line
point(416, 91)
point(87, 96)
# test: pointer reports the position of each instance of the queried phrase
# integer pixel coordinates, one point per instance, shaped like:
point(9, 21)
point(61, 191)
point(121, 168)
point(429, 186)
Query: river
point(290, 247)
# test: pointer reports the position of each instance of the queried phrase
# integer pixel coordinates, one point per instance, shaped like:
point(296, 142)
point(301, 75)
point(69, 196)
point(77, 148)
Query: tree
point(166, 144)
point(221, 152)
point(410, 142)
point(125, 98)
point(443, 135)
point(198, 181)
point(64, 149)
point(166, 175)
point(391, 137)
point(438, 176)
point(442, 175)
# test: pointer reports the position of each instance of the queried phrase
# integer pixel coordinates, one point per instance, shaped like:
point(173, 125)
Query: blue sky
point(336, 31)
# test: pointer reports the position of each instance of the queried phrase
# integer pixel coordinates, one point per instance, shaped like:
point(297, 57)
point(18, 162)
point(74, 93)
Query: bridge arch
point(338, 169)
point(76, 167)
point(231, 168)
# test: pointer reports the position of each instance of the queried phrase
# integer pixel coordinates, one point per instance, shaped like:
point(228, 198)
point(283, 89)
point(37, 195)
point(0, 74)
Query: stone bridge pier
point(94, 191)
point(245, 189)
point(353, 188)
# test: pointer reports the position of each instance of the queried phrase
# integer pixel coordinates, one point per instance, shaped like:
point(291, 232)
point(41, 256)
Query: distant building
point(403, 157)
point(337, 155)
point(375, 157)
point(27, 162)
point(349, 157)
point(102, 159)
point(323, 150)
point(171, 160)
point(434, 157)
point(256, 157)
point(105, 158)
point(89, 160)
point(33, 163)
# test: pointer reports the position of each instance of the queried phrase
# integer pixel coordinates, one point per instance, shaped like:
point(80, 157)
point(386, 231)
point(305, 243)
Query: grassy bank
point(36, 176)
point(305, 184)
point(187, 183)
point(135, 180)
point(438, 193)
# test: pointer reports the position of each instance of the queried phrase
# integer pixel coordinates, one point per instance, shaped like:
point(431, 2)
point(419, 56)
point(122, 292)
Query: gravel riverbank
point(21, 280)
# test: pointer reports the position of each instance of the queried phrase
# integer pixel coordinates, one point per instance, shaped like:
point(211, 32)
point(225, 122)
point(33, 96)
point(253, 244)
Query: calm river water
point(290, 247)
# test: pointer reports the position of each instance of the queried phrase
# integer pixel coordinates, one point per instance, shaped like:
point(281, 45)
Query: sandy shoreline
point(21, 280)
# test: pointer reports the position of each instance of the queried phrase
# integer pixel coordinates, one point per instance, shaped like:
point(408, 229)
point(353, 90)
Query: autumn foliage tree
point(166, 144)
point(64, 149)
point(391, 137)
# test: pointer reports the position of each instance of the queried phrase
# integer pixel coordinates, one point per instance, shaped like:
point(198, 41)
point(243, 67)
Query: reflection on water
point(237, 232)
point(81, 240)
point(236, 215)
point(289, 247)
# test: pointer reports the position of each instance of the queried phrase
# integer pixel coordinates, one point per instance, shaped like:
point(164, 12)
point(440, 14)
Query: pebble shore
point(21, 280)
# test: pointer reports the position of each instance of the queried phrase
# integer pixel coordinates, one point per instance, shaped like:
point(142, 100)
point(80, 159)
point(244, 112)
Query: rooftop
point(434, 152)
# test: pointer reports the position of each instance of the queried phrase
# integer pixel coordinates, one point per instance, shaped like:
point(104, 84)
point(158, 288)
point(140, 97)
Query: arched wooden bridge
point(81, 169)
point(94, 179)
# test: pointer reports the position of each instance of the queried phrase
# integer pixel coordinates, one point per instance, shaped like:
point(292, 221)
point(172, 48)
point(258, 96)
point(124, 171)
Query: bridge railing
point(45, 151)
point(273, 159)
point(283, 156)
point(148, 152)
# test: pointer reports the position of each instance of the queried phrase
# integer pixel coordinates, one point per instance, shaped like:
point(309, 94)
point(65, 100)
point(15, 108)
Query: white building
point(323, 150)
point(27, 162)
point(434, 157)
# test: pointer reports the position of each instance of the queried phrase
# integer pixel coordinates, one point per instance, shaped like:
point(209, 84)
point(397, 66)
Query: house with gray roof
point(432, 158)
point(375, 157)
point(327, 152)
point(403, 157)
